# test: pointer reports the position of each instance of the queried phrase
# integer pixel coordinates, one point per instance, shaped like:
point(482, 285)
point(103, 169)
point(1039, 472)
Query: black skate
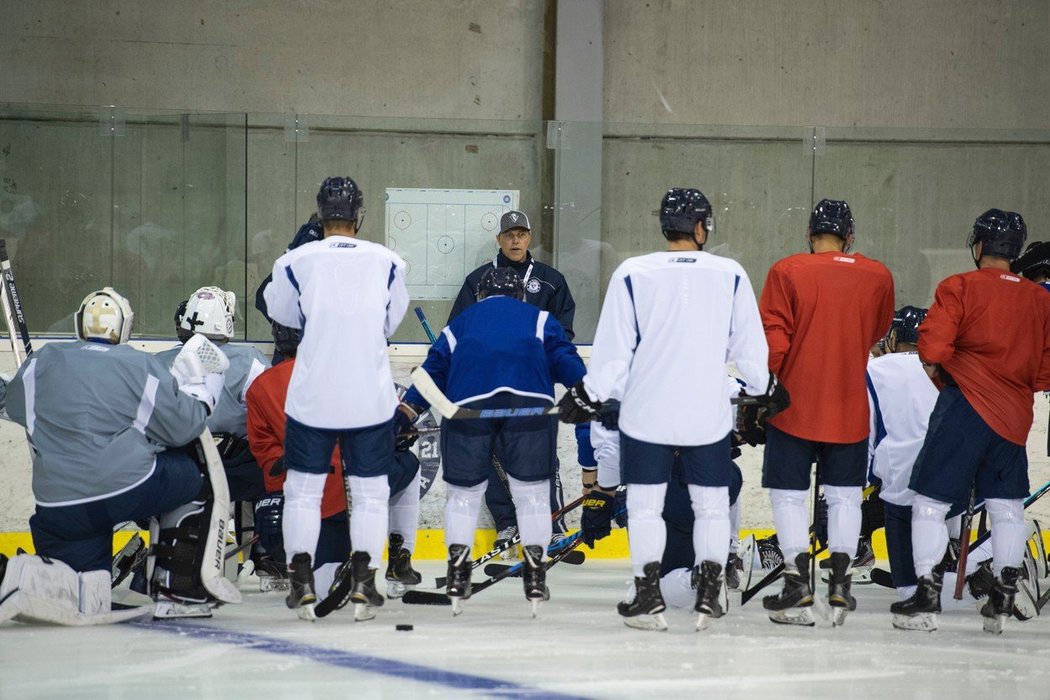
point(734, 565)
point(921, 610)
point(1000, 603)
point(459, 570)
point(400, 576)
point(708, 582)
point(793, 605)
point(980, 582)
point(364, 595)
point(839, 597)
point(645, 612)
point(769, 554)
point(273, 575)
point(301, 595)
point(534, 576)
point(863, 563)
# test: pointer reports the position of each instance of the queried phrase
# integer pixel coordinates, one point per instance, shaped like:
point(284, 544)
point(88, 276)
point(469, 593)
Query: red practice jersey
point(990, 330)
point(266, 421)
point(822, 312)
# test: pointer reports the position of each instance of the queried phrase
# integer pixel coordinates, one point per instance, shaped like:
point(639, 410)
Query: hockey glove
point(610, 417)
point(576, 406)
point(405, 433)
point(751, 419)
point(621, 506)
point(596, 521)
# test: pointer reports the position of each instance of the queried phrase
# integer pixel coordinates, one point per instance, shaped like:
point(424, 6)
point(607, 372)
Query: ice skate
point(503, 537)
point(534, 577)
point(272, 574)
point(863, 563)
point(645, 612)
point(734, 565)
point(301, 595)
point(921, 610)
point(1000, 603)
point(709, 584)
point(364, 595)
point(794, 604)
point(459, 570)
point(1026, 605)
point(840, 599)
point(400, 576)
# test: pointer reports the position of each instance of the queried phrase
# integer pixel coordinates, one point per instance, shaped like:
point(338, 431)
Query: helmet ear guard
point(104, 317)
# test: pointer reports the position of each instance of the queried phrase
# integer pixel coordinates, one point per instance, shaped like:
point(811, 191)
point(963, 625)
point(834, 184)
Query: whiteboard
point(443, 234)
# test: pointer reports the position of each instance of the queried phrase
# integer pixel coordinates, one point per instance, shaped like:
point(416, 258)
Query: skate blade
point(838, 616)
point(649, 623)
point(363, 612)
point(166, 610)
point(923, 622)
point(802, 617)
point(396, 589)
point(268, 584)
point(535, 605)
point(703, 622)
point(457, 606)
point(306, 612)
point(995, 625)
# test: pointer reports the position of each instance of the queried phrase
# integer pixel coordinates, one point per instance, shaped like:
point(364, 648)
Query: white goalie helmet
point(210, 312)
point(104, 316)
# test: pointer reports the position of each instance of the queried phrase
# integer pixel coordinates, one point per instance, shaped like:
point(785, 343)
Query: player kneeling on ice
point(499, 353)
point(108, 424)
point(670, 323)
point(986, 341)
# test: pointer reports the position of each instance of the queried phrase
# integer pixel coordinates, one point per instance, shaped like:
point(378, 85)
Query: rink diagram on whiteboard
point(443, 234)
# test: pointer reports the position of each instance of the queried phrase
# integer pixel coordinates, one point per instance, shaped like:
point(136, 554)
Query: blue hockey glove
point(596, 521)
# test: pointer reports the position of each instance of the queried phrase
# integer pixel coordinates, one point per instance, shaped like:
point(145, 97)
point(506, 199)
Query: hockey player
point(499, 353)
point(822, 312)
point(670, 323)
point(986, 341)
point(1035, 265)
point(124, 463)
point(266, 431)
point(547, 290)
point(347, 296)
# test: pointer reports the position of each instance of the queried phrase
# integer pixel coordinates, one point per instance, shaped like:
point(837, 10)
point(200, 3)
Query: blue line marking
point(350, 660)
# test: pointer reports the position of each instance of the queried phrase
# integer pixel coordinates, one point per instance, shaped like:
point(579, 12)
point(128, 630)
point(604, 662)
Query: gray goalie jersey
point(96, 416)
point(231, 412)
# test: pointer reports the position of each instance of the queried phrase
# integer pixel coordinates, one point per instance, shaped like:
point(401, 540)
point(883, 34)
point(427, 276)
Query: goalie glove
point(198, 369)
point(599, 508)
point(576, 406)
point(751, 418)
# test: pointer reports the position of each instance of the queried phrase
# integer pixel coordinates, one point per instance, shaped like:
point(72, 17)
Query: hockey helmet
point(210, 312)
point(501, 281)
point(340, 198)
point(681, 209)
point(180, 312)
point(905, 324)
point(1001, 233)
point(285, 339)
point(1034, 262)
point(831, 216)
point(104, 317)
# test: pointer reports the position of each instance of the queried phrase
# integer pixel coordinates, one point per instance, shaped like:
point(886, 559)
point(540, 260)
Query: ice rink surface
point(578, 647)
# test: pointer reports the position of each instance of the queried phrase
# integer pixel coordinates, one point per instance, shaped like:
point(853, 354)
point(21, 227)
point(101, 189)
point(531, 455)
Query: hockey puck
point(403, 628)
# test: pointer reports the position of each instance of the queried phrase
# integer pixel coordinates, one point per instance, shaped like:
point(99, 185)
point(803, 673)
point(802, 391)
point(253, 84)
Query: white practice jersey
point(348, 296)
point(670, 323)
point(901, 397)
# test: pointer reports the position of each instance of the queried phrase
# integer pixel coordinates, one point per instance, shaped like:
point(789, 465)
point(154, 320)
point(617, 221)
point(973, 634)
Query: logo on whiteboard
point(532, 286)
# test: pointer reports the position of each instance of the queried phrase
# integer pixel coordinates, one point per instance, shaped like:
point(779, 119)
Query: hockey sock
point(368, 521)
point(404, 513)
point(711, 523)
point(462, 506)
point(1009, 532)
point(323, 577)
point(791, 520)
point(302, 512)
point(929, 533)
point(955, 526)
point(677, 590)
point(844, 518)
point(647, 534)
point(734, 526)
point(532, 501)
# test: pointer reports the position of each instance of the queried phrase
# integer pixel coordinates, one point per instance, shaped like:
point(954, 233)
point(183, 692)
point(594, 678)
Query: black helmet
point(680, 210)
point(906, 322)
point(340, 198)
point(501, 281)
point(1001, 233)
point(1034, 262)
point(831, 216)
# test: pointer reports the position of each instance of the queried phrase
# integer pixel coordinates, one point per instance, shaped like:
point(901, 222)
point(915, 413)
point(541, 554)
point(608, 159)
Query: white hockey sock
point(323, 577)
point(843, 518)
point(647, 534)
point(301, 520)
point(532, 501)
point(982, 553)
point(711, 523)
point(404, 513)
point(1009, 532)
point(929, 533)
point(734, 525)
point(954, 526)
point(676, 587)
point(462, 506)
point(368, 521)
point(791, 521)
point(905, 592)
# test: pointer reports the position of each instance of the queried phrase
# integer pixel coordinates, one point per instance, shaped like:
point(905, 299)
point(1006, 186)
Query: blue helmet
point(831, 216)
point(285, 339)
point(501, 281)
point(1001, 233)
point(906, 322)
point(1034, 262)
point(681, 209)
point(340, 198)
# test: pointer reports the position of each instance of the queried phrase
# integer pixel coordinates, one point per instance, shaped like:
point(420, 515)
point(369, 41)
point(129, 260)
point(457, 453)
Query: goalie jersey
point(96, 416)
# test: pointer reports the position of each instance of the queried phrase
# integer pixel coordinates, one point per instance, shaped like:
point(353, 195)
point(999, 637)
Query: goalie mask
point(104, 317)
point(210, 312)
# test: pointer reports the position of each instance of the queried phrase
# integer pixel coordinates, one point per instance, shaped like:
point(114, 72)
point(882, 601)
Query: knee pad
point(269, 516)
point(646, 500)
point(530, 495)
point(1005, 510)
point(709, 501)
point(925, 508)
point(179, 544)
point(369, 493)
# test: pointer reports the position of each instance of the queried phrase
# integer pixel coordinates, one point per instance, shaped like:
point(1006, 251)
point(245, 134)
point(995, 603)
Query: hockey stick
point(562, 550)
point(493, 569)
point(339, 594)
point(964, 545)
point(441, 581)
point(426, 325)
point(12, 308)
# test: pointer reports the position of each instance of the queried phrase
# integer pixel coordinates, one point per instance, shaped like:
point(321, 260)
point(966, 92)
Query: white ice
point(578, 647)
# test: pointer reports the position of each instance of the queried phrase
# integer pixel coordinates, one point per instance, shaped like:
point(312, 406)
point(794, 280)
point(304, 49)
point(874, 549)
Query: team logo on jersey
point(683, 260)
point(532, 286)
point(344, 245)
point(1009, 278)
point(842, 258)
